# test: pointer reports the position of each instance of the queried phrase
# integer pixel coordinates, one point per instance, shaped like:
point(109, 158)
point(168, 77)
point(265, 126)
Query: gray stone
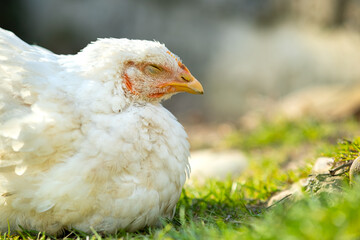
point(354, 171)
point(294, 192)
point(322, 165)
point(324, 183)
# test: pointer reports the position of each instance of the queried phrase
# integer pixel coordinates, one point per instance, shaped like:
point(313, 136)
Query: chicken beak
point(184, 82)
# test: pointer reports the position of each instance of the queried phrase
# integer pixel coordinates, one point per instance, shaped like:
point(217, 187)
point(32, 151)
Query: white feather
point(75, 152)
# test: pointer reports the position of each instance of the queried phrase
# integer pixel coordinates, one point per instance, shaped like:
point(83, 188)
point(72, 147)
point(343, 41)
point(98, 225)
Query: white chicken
point(84, 140)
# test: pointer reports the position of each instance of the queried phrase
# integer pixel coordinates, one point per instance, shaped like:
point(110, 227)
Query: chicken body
point(82, 148)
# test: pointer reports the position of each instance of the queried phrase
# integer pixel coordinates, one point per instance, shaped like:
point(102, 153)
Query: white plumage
point(84, 140)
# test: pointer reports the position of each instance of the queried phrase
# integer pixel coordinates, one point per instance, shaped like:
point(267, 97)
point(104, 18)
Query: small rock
point(354, 170)
point(294, 191)
point(217, 164)
point(324, 183)
point(322, 165)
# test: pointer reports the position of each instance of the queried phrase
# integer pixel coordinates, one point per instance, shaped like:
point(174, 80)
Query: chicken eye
point(153, 69)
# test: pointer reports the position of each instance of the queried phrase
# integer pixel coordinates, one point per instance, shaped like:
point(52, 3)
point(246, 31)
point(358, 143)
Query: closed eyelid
point(155, 66)
point(153, 69)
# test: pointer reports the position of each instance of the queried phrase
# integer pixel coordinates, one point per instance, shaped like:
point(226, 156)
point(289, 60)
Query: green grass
point(283, 132)
point(346, 150)
point(236, 209)
point(321, 217)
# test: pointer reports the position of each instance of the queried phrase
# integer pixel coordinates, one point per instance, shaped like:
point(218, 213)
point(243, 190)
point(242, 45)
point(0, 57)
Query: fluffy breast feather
point(127, 171)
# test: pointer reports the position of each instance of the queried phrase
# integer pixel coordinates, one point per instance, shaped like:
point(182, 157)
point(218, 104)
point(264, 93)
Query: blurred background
point(251, 55)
